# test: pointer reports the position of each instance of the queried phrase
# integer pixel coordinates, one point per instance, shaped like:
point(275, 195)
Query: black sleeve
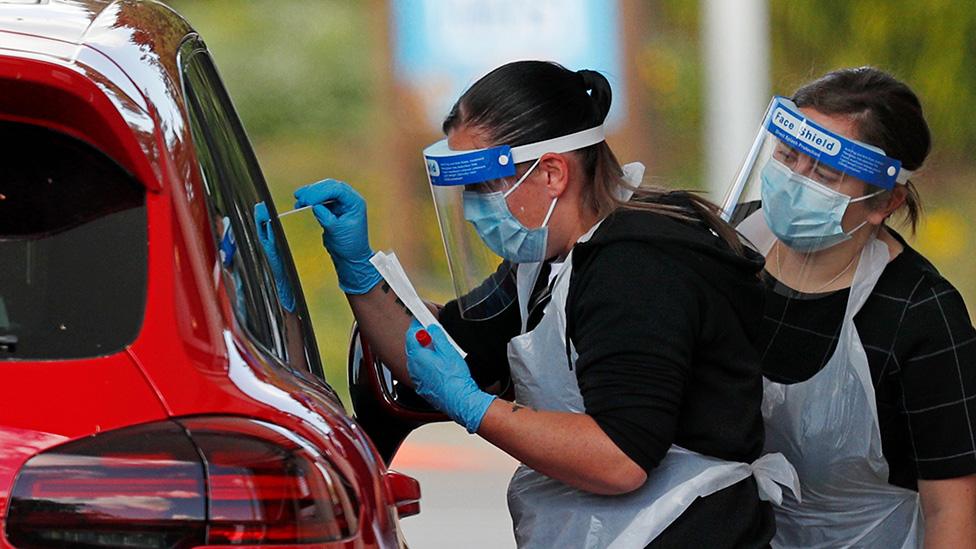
point(485, 341)
point(634, 320)
point(938, 378)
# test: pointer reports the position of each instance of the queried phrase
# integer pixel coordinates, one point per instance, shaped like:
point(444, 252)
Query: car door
point(234, 185)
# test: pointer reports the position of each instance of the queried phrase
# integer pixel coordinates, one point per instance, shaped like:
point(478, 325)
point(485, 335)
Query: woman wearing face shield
point(623, 323)
point(869, 354)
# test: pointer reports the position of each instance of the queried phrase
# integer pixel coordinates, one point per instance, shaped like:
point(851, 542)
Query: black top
point(921, 349)
point(658, 311)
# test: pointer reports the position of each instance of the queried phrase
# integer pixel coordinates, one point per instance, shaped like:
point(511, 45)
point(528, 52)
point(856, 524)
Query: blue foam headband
point(851, 157)
point(447, 167)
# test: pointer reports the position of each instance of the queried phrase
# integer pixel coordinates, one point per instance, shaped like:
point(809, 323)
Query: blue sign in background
point(443, 46)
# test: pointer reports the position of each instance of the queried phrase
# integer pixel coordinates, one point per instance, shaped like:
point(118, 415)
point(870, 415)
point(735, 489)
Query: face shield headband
point(447, 167)
point(484, 241)
point(784, 122)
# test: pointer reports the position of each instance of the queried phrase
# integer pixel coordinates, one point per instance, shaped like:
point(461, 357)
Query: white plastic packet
point(392, 271)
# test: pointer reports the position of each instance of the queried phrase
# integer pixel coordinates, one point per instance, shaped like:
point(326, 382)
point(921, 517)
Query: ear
point(555, 168)
point(895, 200)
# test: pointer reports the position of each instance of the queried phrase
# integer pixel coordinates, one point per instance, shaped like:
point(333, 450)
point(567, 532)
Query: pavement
point(463, 480)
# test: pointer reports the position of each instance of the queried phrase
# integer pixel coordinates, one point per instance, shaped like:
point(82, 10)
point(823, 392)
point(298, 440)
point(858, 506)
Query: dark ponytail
point(598, 88)
point(529, 101)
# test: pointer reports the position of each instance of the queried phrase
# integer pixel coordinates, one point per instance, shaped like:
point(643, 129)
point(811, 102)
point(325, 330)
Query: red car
point(159, 380)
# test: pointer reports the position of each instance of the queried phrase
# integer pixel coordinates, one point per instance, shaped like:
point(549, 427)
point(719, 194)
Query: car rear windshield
point(73, 246)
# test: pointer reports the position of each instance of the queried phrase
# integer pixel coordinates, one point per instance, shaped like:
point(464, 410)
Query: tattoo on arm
point(386, 289)
point(517, 407)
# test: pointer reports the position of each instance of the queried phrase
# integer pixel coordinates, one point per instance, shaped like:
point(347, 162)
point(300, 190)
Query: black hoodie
point(662, 313)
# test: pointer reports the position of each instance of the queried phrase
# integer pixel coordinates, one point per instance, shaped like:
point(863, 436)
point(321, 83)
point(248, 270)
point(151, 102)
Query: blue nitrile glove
point(267, 238)
point(344, 232)
point(441, 376)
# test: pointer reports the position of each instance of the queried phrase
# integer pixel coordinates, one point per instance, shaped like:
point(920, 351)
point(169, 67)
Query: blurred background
point(356, 90)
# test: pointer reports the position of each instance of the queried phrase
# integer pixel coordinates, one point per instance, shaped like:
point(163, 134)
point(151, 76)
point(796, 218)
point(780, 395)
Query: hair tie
point(586, 80)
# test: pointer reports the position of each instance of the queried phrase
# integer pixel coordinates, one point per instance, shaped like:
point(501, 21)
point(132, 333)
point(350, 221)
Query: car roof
point(133, 33)
point(126, 47)
point(79, 21)
point(60, 20)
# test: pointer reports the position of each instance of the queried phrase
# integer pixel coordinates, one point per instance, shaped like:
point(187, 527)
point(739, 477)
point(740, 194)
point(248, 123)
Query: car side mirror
point(385, 408)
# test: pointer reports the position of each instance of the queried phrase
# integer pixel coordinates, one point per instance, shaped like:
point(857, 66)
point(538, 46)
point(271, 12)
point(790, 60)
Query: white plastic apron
point(547, 513)
point(827, 427)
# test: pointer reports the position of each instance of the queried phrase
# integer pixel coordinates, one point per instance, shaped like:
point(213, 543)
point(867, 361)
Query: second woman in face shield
point(869, 353)
point(623, 323)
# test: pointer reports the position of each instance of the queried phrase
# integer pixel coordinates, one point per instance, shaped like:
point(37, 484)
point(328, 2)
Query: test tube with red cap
point(423, 337)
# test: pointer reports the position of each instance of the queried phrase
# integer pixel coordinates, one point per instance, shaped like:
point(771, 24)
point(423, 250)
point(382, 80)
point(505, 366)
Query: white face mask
point(501, 231)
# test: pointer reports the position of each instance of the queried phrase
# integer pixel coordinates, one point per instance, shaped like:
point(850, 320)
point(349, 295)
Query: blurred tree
point(930, 45)
point(293, 68)
point(668, 69)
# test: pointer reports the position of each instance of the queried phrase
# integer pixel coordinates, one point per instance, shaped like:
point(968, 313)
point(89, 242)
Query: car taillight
point(202, 481)
point(137, 487)
point(267, 486)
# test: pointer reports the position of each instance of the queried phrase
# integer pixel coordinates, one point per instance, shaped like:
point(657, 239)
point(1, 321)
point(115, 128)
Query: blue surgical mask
point(501, 231)
point(803, 214)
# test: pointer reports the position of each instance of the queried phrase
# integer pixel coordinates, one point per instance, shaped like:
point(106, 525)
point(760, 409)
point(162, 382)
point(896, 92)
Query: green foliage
point(930, 45)
point(670, 83)
point(297, 67)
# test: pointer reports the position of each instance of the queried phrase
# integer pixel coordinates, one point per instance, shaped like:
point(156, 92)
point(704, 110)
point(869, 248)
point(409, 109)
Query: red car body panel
point(107, 73)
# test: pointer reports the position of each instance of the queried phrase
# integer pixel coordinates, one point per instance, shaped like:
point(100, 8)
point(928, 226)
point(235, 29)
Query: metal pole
point(735, 39)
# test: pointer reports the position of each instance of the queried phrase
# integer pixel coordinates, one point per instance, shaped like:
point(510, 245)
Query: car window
point(235, 187)
point(73, 248)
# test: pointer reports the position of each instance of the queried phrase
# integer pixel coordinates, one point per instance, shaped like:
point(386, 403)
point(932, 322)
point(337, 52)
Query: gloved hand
point(441, 376)
point(344, 235)
point(267, 239)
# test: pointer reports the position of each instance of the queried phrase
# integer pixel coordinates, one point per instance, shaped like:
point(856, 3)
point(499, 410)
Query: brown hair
point(529, 101)
point(887, 114)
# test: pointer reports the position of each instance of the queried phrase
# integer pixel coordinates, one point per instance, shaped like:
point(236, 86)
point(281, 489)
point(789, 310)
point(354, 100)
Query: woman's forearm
point(568, 447)
point(949, 509)
point(947, 529)
point(383, 320)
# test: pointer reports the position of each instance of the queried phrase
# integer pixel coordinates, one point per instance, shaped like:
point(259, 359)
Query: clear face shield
point(483, 240)
point(802, 191)
point(803, 181)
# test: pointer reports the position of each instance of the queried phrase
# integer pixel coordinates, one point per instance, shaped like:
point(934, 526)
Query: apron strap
point(874, 259)
point(773, 471)
point(525, 279)
point(527, 274)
